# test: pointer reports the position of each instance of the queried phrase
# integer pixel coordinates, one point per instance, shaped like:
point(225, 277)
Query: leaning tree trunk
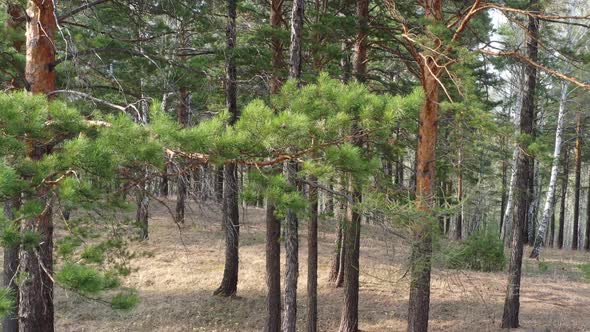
point(36, 311)
point(11, 262)
point(512, 301)
point(230, 208)
point(575, 236)
point(550, 196)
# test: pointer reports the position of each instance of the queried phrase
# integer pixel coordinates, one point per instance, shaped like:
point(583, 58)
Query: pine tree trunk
point(182, 116)
point(273, 225)
point(142, 213)
point(231, 221)
point(219, 184)
point(548, 213)
point(273, 270)
point(352, 230)
point(420, 261)
point(335, 265)
point(512, 302)
point(312, 258)
point(458, 230)
point(291, 222)
point(230, 208)
point(292, 259)
point(564, 184)
point(36, 311)
point(575, 235)
point(11, 262)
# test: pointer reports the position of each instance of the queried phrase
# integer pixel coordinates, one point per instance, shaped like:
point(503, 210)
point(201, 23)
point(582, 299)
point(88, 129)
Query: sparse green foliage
point(125, 300)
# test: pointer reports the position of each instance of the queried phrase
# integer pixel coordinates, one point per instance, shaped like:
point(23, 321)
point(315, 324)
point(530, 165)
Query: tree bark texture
point(578, 176)
point(292, 259)
point(312, 257)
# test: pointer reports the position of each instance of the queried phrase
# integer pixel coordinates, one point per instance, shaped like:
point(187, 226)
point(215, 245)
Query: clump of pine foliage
point(482, 251)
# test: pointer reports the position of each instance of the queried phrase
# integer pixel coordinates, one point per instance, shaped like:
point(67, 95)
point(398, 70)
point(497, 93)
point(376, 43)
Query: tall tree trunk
point(352, 230)
point(512, 301)
point(552, 230)
point(273, 270)
point(548, 213)
point(182, 116)
point(292, 259)
point(575, 235)
point(505, 230)
point(352, 227)
point(273, 225)
point(36, 311)
point(291, 229)
point(564, 184)
point(420, 261)
point(458, 230)
point(312, 257)
point(230, 208)
point(231, 221)
point(11, 262)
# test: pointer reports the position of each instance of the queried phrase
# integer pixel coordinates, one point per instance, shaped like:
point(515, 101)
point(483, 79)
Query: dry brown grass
point(177, 282)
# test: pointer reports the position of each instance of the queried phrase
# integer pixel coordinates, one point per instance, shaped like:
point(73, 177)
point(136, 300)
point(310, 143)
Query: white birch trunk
point(507, 225)
point(550, 197)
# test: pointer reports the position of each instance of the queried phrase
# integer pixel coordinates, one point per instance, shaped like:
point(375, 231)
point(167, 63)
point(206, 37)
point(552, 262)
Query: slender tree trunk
point(312, 258)
point(273, 225)
point(292, 258)
point(335, 265)
point(550, 196)
point(552, 231)
point(352, 229)
point(182, 116)
point(231, 221)
point(512, 301)
point(142, 213)
point(230, 208)
point(36, 311)
point(564, 184)
point(458, 231)
point(273, 270)
point(11, 262)
point(291, 229)
point(575, 235)
point(504, 193)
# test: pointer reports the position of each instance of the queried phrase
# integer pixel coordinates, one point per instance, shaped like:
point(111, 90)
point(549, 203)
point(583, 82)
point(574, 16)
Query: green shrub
point(585, 270)
point(543, 267)
point(81, 278)
point(125, 300)
point(482, 251)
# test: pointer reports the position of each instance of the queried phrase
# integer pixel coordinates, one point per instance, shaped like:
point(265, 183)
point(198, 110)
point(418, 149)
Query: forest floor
point(177, 278)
